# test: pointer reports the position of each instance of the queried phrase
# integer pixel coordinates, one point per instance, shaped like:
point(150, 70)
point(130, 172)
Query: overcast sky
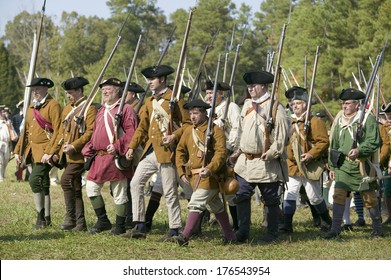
point(10, 8)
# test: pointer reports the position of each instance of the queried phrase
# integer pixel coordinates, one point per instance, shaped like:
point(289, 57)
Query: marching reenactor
point(101, 152)
point(230, 122)
point(154, 128)
point(349, 163)
point(256, 166)
point(306, 152)
point(191, 153)
point(43, 122)
point(67, 152)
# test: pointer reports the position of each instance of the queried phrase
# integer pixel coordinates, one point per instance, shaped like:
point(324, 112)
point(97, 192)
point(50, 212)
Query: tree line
point(350, 34)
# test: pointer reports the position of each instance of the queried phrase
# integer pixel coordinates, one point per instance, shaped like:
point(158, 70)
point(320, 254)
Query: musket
point(178, 77)
point(368, 90)
point(231, 80)
point(209, 130)
point(193, 94)
point(328, 113)
point(309, 103)
point(270, 117)
point(162, 54)
point(305, 72)
point(227, 51)
point(79, 119)
point(118, 116)
point(27, 91)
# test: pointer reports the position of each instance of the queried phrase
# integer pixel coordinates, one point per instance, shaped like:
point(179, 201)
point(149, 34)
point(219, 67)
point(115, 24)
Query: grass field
point(19, 241)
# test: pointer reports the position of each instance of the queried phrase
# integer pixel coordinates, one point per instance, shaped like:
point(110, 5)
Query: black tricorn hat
point(297, 93)
point(184, 89)
point(45, 82)
point(386, 108)
point(157, 71)
point(74, 83)
point(112, 82)
point(197, 103)
point(351, 94)
point(133, 87)
point(258, 77)
point(208, 85)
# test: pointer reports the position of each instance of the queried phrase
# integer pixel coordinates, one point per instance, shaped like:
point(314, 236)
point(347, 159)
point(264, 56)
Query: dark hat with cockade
point(197, 103)
point(74, 83)
point(45, 82)
point(258, 77)
point(157, 71)
point(209, 85)
point(133, 87)
point(111, 82)
point(297, 93)
point(351, 94)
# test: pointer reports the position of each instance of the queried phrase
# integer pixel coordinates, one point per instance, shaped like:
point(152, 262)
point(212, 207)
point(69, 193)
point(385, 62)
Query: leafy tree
point(10, 88)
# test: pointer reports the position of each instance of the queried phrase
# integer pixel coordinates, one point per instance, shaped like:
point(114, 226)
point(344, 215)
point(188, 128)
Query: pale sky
point(10, 8)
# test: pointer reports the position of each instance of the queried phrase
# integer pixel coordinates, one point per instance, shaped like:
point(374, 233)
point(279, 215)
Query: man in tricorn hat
point(42, 124)
point(307, 150)
point(133, 89)
point(70, 141)
point(158, 154)
point(105, 145)
point(349, 162)
point(157, 189)
point(385, 158)
point(256, 166)
point(190, 158)
point(229, 123)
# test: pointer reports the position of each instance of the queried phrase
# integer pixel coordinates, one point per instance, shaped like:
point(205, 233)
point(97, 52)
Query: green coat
point(348, 175)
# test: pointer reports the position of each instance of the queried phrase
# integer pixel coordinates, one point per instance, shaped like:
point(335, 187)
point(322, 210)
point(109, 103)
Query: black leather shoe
point(67, 226)
point(100, 228)
point(118, 231)
point(347, 227)
point(331, 235)
point(269, 238)
point(360, 223)
point(181, 240)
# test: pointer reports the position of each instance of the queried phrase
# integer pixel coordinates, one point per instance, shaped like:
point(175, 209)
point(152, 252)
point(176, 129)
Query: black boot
point(377, 229)
point(273, 218)
point(243, 207)
point(326, 220)
point(287, 226)
point(336, 227)
point(81, 224)
point(119, 226)
point(153, 205)
point(103, 222)
point(48, 221)
point(69, 219)
point(234, 216)
point(128, 209)
point(129, 215)
point(41, 222)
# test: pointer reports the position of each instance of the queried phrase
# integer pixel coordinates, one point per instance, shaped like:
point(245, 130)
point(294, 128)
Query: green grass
point(19, 241)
